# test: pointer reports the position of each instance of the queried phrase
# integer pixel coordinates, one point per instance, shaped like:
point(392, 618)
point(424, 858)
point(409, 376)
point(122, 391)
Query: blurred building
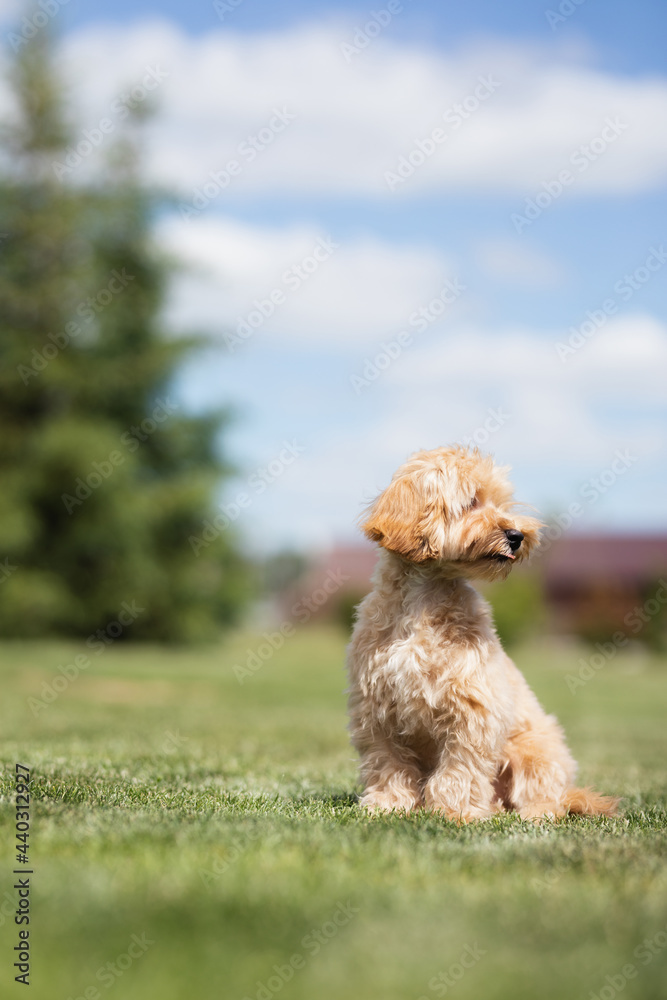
point(593, 582)
point(593, 585)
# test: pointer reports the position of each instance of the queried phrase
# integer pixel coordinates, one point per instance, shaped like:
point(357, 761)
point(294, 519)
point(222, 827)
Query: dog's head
point(454, 507)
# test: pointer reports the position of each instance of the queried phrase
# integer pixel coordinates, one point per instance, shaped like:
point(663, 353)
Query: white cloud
point(557, 406)
point(508, 392)
point(442, 387)
point(353, 122)
point(359, 292)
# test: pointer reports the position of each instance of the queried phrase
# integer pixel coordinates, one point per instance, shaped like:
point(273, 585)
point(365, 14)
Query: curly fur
point(439, 714)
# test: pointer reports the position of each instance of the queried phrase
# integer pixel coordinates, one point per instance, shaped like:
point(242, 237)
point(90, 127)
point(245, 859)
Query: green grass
point(220, 821)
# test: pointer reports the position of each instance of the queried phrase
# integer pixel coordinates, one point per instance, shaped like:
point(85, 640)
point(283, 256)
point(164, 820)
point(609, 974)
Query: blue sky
point(627, 37)
point(595, 81)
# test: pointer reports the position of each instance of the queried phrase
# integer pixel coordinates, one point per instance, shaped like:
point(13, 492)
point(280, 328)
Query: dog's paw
point(459, 801)
point(464, 814)
point(542, 810)
point(386, 801)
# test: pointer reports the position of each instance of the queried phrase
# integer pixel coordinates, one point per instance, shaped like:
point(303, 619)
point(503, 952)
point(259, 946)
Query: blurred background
point(253, 255)
point(298, 243)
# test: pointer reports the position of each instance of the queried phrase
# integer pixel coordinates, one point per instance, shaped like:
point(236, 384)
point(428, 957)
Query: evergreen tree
point(106, 484)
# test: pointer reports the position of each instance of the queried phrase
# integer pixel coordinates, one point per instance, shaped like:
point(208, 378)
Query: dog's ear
point(395, 520)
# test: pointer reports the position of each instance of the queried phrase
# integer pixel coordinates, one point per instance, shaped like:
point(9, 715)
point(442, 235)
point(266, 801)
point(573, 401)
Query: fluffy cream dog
point(440, 715)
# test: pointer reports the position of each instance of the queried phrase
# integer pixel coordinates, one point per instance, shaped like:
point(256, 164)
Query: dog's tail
point(588, 802)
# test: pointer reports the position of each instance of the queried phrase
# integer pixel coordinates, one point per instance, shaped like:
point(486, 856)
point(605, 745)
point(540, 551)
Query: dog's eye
point(473, 503)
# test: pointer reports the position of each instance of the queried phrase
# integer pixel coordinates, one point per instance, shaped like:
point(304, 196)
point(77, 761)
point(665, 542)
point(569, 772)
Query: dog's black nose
point(515, 538)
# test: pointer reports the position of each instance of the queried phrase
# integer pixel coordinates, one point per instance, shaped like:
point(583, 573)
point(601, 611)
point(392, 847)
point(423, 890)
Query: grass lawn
point(217, 822)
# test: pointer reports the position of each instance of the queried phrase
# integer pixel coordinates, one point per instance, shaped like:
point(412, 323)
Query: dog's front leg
point(390, 781)
point(461, 785)
point(460, 790)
